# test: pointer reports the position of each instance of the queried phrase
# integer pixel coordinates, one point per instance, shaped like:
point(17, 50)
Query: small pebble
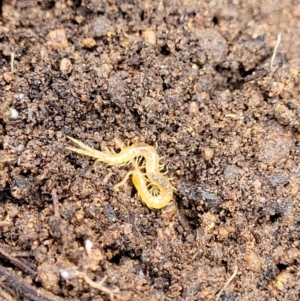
point(207, 153)
point(88, 244)
point(284, 281)
point(19, 147)
point(19, 96)
point(193, 109)
point(7, 76)
point(58, 39)
point(253, 261)
point(12, 113)
point(100, 27)
point(88, 43)
point(66, 66)
point(149, 36)
point(21, 182)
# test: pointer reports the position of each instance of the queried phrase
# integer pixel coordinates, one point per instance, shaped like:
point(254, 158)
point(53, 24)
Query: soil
point(215, 85)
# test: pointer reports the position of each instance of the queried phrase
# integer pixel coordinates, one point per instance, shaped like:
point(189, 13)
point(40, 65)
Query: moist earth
point(214, 85)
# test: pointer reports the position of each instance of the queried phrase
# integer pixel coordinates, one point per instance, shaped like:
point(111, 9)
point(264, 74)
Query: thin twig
point(6, 296)
point(22, 264)
point(275, 50)
point(12, 59)
point(22, 288)
point(55, 203)
point(97, 285)
point(227, 283)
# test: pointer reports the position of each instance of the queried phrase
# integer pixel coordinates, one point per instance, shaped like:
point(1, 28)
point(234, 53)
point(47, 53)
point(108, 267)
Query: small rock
point(205, 83)
point(207, 153)
point(44, 53)
point(255, 100)
point(65, 66)
point(193, 108)
point(79, 216)
point(209, 221)
point(7, 76)
point(278, 179)
point(110, 213)
point(11, 113)
point(151, 103)
point(212, 47)
point(49, 276)
point(211, 200)
point(21, 182)
point(19, 147)
point(284, 281)
point(88, 43)
point(104, 70)
point(100, 27)
point(58, 39)
point(253, 261)
point(232, 173)
point(4, 30)
point(275, 145)
point(284, 115)
point(116, 88)
point(209, 196)
point(127, 228)
point(149, 36)
point(40, 254)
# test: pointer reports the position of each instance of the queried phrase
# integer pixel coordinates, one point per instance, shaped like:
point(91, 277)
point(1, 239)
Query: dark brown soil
point(206, 82)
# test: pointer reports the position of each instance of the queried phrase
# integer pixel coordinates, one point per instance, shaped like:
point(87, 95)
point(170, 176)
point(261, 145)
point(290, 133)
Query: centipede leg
point(116, 187)
point(112, 151)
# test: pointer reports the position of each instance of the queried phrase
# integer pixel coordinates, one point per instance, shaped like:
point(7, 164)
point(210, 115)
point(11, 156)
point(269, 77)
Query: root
point(97, 285)
point(275, 50)
point(92, 263)
point(227, 283)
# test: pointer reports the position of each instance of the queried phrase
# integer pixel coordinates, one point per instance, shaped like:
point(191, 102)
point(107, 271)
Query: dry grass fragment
point(227, 283)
